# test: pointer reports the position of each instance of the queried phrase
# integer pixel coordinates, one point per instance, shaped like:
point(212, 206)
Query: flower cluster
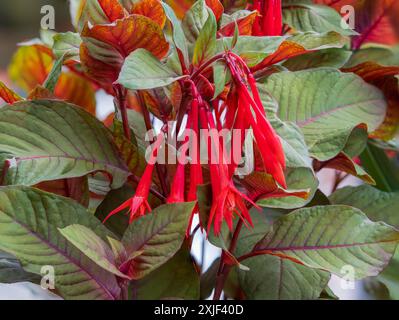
point(241, 109)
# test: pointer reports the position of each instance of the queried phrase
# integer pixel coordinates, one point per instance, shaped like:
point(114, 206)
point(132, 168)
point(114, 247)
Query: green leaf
point(303, 16)
point(67, 45)
point(299, 173)
point(383, 55)
point(176, 279)
point(54, 74)
point(50, 140)
point(379, 206)
point(117, 224)
point(335, 58)
point(271, 277)
point(274, 278)
point(158, 236)
point(327, 105)
point(131, 152)
point(332, 237)
point(142, 71)
point(376, 204)
point(205, 46)
point(118, 250)
point(255, 49)
point(297, 179)
point(389, 277)
point(235, 36)
point(194, 20)
point(252, 49)
point(179, 38)
point(93, 247)
point(221, 76)
point(357, 142)
point(29, 223)
point(380, 167)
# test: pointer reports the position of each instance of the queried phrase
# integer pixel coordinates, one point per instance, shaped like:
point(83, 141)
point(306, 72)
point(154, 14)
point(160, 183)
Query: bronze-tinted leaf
point(151, 9)
point(383, 77)
point(105, 46)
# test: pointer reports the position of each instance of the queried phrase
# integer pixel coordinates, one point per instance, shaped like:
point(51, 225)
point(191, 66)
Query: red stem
point(224, 269)
point(252, 254)
point(160, 170)
point(5, 171)
point(120, 94)
point(206, 64)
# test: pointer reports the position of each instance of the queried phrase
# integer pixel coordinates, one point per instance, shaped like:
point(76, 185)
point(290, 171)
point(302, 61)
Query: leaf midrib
point(62, 253)
point(328, 247)
point(106, 164)
point(331, 111)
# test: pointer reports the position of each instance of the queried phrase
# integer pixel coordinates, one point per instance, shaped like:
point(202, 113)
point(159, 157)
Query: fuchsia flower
point(196, 177)
point(227, 200)
point(138, 205)
point(253, 112)
point(269, 23)
point(242, 110)
point(177, 190)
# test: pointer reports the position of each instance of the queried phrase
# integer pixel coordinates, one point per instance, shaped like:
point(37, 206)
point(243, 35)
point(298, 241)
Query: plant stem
point(253, 254)
point(339, 178)
point(206, 64)
point(121, 98)
point(5, 171)
point(224, 269)
point(160, 172)
point(125, 291)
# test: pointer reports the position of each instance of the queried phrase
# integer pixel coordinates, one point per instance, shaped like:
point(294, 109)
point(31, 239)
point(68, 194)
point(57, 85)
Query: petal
point(123, 206)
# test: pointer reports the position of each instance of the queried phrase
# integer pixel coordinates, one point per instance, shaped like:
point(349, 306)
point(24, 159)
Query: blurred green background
point(20, 21)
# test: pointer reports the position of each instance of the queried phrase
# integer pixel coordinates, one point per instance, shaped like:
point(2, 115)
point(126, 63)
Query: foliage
point(315, 93)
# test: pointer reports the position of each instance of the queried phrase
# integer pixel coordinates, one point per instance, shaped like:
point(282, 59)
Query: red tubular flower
point(196, 177)
point(226, 203)
point(253, 111)
point(138, 205)
point(268, 142)
point(227, 200)
point(177, 190)
point(178, 185)
point(269, 23)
